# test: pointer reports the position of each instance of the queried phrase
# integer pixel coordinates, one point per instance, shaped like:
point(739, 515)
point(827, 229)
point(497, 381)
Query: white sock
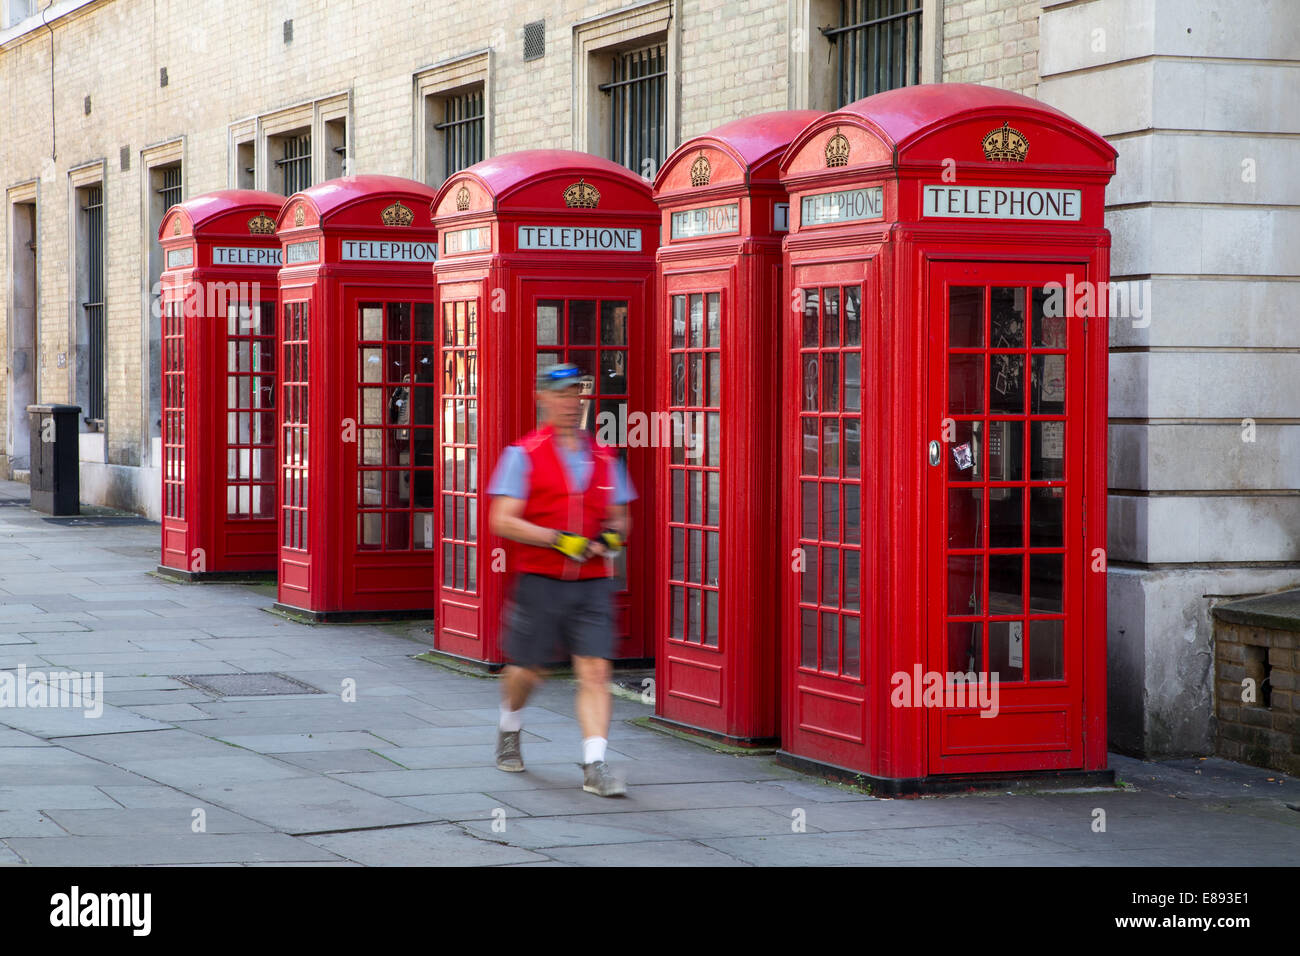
point(511, 720)
point(593, 749)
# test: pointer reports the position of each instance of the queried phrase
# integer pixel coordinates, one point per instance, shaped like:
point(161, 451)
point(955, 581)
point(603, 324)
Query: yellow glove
point(570, 545)
point(612, 540)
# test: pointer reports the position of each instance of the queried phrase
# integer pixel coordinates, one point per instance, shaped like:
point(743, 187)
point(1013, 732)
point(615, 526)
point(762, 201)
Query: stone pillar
point(1202, 100)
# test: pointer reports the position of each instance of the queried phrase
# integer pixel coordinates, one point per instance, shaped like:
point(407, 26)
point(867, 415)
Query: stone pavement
point(404, 774)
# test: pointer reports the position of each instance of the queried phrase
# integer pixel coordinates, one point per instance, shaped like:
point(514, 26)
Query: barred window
point(91, 339)
point(638, 112)
point(170, 189)
point(878, 46)
point(165, 180)
point(295, 163)
point(461, 130)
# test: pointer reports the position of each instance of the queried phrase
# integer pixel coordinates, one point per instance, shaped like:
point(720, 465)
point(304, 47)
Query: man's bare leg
point(594, 706)
point(518, 685)
point(593, 702)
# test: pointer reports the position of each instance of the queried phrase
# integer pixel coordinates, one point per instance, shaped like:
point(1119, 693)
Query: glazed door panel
point(823, 651)
point(1006, 399)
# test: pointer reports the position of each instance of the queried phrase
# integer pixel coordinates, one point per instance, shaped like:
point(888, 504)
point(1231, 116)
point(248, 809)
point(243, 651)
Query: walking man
point(562, 500)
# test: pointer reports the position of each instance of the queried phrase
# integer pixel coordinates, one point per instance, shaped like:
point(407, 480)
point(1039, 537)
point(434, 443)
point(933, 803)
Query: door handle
point(935, 456)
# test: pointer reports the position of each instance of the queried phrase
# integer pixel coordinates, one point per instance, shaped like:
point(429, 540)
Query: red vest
point(553, 504)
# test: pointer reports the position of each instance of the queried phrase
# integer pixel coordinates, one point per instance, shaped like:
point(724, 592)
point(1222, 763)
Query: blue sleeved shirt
point(512, 473)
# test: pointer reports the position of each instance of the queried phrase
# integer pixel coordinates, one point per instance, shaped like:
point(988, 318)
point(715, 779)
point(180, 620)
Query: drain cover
point(248, 685)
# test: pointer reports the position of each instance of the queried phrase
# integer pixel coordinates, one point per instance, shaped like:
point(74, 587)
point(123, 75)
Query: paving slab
point(433, 845)
point(150, 796)
point(461, 806)
point(164, 848)
point(30, 823)
point(483, 754)
point(405, 783)
point(568, 796)
point(309, 804)
point(54, 797)
point(339, 761)
point(965, 841)
point(631, 827)
point(176, 821)
point(186, 773)
point(674, 853)
point(51, 722)
point(306, 743)
point(165, 743)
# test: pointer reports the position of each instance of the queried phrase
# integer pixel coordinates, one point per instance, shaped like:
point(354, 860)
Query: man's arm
point(505, 518)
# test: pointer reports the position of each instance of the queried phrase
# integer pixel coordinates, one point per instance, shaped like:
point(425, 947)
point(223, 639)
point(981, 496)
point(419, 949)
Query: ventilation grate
point(534, 40)
point(248, 685)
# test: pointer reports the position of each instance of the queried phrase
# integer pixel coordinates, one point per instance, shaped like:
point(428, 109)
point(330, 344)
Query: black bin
point(56, 485)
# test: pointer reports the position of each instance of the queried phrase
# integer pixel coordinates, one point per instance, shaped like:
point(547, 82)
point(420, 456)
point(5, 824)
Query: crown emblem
point(462, 199)
point(1005, 145)
point(397, 215)
point(837, 149)
point(299, 215)
point(176, 226)
point(582, 195)
point(261, 225)
point(701, 170)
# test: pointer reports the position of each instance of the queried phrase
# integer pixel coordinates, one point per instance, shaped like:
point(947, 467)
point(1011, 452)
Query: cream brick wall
point(993, 42)
point(227, 62)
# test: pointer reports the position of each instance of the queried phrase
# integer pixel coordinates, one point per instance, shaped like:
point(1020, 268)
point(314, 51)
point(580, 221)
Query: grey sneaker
point(597, 778)
point(509, 757)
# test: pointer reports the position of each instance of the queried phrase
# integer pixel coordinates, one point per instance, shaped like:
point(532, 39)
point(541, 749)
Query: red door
point(599, 331)
point(1006, 398)
point(824, 490)
point(690, 482)
point(460, 595)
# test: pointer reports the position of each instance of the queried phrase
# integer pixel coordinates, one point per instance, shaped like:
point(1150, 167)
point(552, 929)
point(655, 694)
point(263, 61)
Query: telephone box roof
point(519, 179)
point(751, 141)
point(201, 210)
point(902, 119)
point(335, 195)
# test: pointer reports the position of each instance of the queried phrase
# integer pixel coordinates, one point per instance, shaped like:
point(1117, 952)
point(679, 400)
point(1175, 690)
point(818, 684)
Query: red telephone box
point(725, 213)
point(945, 436)
point(547, 257)
point(358, 517)
point(218, 385)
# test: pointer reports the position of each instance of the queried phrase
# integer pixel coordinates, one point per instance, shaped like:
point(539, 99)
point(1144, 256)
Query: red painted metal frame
point(729, 689)
point(331, 576)
point(206, 540)
point(901, 141)
point(481, 208)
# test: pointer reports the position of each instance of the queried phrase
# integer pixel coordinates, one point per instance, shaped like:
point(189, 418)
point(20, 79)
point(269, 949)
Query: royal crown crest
point(462, 199)
point(701, 170)
point(261, 225)
point(1005, 145)
point(299, 215)
point(837, 149)
point(582, 195)
point(397, 215)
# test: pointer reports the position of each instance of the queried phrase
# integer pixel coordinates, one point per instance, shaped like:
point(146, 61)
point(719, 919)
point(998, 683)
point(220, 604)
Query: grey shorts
point(547, 620)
